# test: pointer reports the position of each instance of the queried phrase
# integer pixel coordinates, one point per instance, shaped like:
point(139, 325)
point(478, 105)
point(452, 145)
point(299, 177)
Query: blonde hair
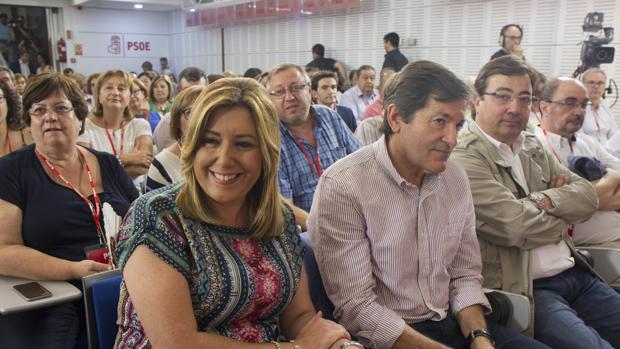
point(127, 79)
point(264, 200)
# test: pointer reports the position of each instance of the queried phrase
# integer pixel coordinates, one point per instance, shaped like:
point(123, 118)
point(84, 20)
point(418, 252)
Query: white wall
point(93, 28)
point(460, 34)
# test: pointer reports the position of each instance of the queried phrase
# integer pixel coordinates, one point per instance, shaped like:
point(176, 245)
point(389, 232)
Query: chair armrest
point(606, 261)
point(521, 311)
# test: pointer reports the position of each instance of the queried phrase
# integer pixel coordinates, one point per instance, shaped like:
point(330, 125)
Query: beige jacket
point(507, 228)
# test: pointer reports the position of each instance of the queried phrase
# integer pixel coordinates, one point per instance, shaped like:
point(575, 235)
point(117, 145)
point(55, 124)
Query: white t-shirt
point(98, 139)
point(600, 124)
point(603, 226)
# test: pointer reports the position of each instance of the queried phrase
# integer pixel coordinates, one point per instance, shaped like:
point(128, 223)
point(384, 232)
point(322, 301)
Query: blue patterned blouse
point(238, 285)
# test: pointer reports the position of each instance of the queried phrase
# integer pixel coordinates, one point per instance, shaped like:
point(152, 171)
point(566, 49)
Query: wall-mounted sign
point(121, 45)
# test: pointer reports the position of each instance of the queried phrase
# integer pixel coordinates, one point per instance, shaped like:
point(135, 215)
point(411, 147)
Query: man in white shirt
point(563, 103)
point(524, 202)
point(363, 94)
point(599, 121)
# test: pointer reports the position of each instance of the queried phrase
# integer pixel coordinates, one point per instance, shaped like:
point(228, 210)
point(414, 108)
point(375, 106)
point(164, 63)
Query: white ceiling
point(148, 5)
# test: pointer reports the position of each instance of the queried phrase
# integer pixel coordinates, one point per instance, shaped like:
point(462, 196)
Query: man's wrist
point(479, 335)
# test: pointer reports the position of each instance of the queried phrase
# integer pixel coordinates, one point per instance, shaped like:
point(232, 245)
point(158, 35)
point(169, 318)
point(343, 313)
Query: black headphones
point(502, 39)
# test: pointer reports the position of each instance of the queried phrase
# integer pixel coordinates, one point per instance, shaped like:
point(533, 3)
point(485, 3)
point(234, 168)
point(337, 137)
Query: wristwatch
point(479, 333)
point(538, 199)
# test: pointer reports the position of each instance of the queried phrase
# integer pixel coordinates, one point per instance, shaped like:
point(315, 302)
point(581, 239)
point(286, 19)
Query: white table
point(11, 302)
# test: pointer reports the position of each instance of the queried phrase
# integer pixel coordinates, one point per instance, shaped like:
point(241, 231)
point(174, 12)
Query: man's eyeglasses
point(573, 103)
point(59, 110)
point(504, 98)
point(294, 89)
point(595, 83)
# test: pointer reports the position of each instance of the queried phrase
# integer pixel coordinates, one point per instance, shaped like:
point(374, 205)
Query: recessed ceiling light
point(192, 10)
point(138, 6)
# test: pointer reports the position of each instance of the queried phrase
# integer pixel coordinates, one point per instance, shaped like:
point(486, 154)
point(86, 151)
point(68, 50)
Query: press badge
point(98, 253)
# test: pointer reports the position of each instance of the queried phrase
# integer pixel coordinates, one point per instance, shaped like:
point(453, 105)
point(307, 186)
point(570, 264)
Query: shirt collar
point(429, 182)
point(516, 146)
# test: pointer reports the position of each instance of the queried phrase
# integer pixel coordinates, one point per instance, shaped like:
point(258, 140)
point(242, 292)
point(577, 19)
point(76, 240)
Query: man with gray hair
point(393, 227)
point(312, 138)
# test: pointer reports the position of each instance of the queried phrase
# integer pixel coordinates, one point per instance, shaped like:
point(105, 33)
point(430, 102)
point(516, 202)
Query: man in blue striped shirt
point(312, 137)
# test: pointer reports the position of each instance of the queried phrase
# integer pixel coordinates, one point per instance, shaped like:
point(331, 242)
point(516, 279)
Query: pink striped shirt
point(389, 253)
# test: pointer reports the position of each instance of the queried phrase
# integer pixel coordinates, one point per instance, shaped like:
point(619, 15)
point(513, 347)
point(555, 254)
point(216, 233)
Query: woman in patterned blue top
point(216, 261)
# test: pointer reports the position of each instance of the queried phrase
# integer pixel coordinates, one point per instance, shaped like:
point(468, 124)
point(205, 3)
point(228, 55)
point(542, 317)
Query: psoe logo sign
point(115, 45)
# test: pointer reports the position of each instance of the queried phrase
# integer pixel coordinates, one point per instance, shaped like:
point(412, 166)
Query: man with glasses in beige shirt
point(393, 227)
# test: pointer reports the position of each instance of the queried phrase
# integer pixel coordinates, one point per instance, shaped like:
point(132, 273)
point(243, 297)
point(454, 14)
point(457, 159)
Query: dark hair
point(252, 73)
point(502, 32)
point(318, 50)
point(410, 89)
point(314, 82)
point(365, 67)
point(352, 74)
point(67, 71)
point(14, 119)
point(90, 79)
point(185, 99)
point(44, 85)
point(193, 74)
point(211, 78)
point(507, 65)
point(147, 64)
point(392, 38)
point(151, 74)
point(163, 59)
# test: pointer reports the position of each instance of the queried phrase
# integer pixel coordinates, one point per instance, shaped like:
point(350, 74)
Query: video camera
point(593, 53)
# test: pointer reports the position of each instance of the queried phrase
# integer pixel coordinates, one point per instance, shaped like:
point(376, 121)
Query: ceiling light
point(138, 6)
point(192, 10)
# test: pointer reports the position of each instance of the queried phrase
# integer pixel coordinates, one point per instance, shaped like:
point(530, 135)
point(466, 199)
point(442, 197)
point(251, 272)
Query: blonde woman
point(166, 167)
point(111, 127)
point(219, 253)
point(161, 94)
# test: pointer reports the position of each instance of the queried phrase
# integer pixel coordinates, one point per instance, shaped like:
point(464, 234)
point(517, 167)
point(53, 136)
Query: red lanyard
point(570, 145)
point(112, 142)
point(95, 210)
point(316, 169)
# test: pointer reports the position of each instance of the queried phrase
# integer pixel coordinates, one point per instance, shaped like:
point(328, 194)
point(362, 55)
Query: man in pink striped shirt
point(398, 254)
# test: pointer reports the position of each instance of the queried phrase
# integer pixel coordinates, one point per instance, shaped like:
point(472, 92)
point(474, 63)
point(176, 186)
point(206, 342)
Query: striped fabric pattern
point(389, 253)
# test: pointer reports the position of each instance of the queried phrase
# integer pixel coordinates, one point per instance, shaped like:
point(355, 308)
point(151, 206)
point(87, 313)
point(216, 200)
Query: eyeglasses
point(573, 103)
point(294, 89)
point(186, 113)
point(59, 110)
point(513, 37)
point(503, 98)
point(595, 83)
point(136, 92)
